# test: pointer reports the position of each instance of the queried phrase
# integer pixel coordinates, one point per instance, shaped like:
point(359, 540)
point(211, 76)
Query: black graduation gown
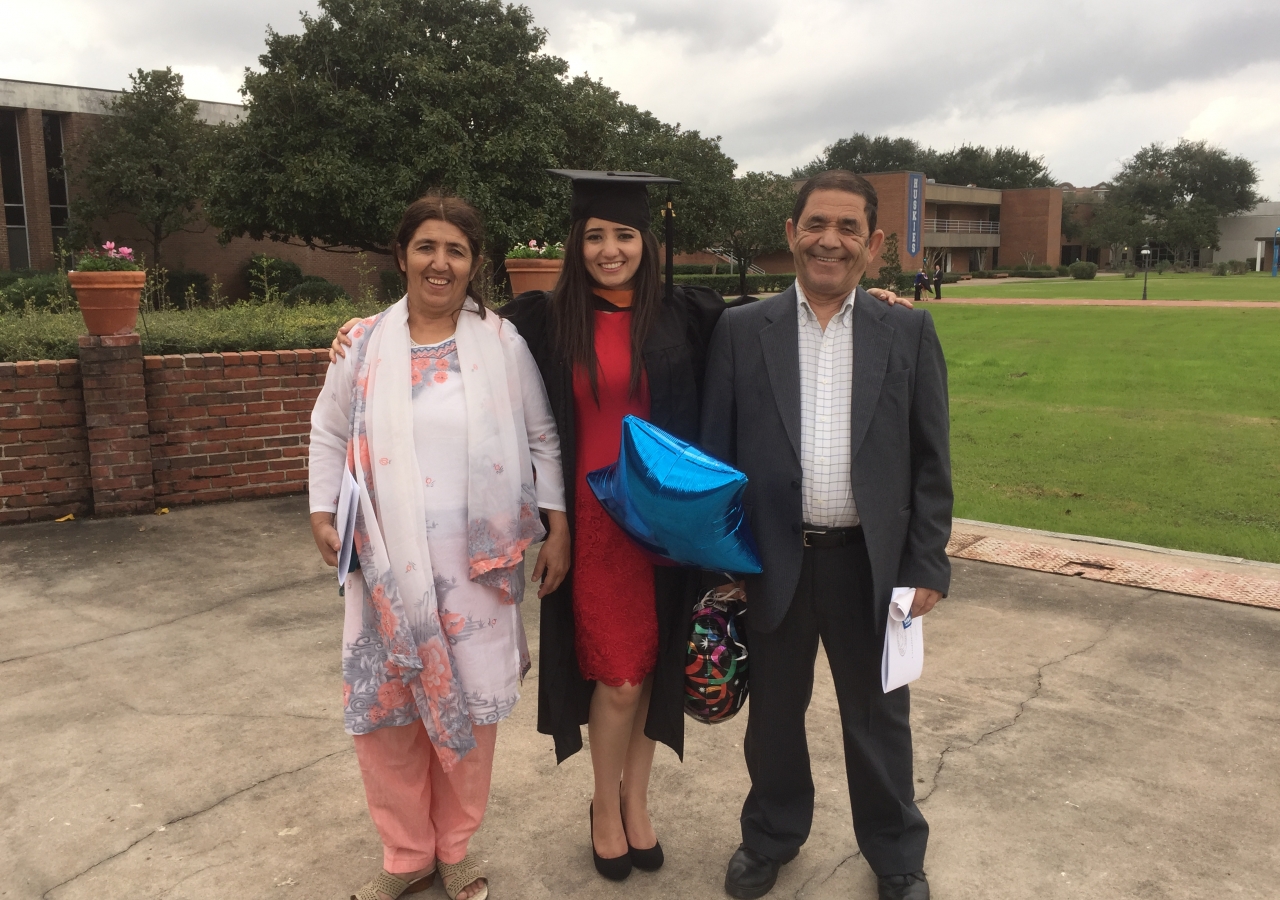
point(674, 360)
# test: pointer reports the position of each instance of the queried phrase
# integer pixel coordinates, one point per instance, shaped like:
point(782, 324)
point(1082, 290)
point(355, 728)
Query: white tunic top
point(487, 636)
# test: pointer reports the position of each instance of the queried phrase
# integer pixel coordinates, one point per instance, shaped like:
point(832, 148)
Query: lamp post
point(1275, 254)
point(1146, 266)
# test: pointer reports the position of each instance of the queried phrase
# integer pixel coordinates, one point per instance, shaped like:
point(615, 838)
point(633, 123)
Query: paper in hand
point(348, 501)
point(903, 658)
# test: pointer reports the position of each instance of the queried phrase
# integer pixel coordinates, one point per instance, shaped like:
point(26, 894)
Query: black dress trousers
point(834, 602)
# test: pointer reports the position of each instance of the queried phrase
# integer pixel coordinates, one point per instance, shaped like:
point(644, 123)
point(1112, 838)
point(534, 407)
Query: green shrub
point(700, 268)
point(1130, 272)
point(1033, 273)
point(245, 326)
point(270, 277)
point(730, 285)
point(1082, 270)
point(187, 289)
point(314, 289)
point(392, 284)
point(48, 291)
point(8, 278)
point(1238, 266)
point(1220, 268)
point(1163, 266)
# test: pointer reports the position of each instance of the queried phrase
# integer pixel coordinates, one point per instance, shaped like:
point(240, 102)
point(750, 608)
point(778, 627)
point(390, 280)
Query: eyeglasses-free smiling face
point(438, 266)
point(611, 253)
point(831, 244)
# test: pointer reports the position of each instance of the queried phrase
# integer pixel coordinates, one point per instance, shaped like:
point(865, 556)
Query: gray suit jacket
point(900, 443)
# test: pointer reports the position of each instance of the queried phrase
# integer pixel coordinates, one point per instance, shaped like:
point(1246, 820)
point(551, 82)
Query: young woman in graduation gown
point(608, 343)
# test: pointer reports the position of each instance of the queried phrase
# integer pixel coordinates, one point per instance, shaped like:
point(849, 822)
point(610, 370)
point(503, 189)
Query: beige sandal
point(392, 886)
point(458, 875)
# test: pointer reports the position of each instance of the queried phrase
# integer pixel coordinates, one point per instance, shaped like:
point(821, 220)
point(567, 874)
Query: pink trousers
point(421, 812)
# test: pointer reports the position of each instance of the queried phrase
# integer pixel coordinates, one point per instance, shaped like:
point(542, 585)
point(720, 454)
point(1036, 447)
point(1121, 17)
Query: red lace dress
point(615, 620)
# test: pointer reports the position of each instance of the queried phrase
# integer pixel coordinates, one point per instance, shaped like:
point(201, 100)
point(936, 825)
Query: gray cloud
point(780, 80)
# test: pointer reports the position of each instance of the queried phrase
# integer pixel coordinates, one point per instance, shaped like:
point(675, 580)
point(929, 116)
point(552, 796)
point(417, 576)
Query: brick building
point(962, 227)
point(38, 122)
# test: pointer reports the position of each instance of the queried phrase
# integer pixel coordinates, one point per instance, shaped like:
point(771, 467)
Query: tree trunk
point(743, 265)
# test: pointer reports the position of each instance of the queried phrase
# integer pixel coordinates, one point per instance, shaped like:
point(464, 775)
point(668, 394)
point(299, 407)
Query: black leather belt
point(824, 538)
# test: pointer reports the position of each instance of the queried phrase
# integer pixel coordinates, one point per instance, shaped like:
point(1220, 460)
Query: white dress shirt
point(826, 411)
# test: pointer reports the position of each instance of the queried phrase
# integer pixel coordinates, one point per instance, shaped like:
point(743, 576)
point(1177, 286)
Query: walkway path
point(170, 727)
point(1230, 579)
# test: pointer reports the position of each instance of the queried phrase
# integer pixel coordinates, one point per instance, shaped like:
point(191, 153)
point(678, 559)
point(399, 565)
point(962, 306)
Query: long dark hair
point(572, 306)
point(438, 205)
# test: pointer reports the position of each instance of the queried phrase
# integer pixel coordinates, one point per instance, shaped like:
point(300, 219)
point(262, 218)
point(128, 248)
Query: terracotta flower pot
point(533, 274)
point(108, 300)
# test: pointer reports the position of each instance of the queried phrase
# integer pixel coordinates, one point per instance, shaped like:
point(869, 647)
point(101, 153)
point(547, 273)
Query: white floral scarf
point(391, 528)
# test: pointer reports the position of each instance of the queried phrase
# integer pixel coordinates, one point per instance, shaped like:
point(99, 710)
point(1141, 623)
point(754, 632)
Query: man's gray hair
point(838, 180)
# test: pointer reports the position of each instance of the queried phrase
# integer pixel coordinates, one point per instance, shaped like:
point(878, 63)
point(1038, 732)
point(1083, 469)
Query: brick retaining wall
point(115, 432)
point(225, 426)
point(44, 454)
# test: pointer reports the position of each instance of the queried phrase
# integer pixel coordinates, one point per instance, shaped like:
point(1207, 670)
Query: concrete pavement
point(170, 727)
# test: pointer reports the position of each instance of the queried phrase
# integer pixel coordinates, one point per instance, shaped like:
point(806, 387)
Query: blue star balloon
point(676, 501)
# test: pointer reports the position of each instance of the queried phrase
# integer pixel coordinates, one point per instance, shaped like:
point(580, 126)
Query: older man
point(835, 407)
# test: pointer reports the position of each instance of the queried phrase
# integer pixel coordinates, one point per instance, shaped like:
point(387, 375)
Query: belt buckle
point(804, 534)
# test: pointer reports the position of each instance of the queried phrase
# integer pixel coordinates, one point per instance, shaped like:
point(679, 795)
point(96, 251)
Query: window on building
point(59, 209)
point(15, 211)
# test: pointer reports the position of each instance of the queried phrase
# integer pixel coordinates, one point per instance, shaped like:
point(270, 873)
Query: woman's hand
point(326, 537)
point(553, 558)
point(340, 344)
point(882, 294)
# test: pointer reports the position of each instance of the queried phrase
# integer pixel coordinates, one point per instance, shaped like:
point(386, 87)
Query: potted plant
point(108, 285)
point(534, 267)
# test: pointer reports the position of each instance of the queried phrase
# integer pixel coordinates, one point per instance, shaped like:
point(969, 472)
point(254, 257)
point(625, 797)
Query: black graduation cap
point(620, 197)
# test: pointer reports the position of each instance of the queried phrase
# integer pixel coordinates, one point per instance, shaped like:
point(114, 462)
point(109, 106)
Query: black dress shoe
point(615, 869)
point(904, 887)
point(751, 874)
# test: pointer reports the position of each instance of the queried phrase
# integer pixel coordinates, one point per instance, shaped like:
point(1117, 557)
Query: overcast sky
point(1084, 84)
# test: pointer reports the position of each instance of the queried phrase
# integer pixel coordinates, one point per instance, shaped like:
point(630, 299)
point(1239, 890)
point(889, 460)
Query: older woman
point(440, 417)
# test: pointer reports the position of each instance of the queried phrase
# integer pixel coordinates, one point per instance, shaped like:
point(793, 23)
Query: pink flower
point(126, 253)
point(109, 246)
point(533, 245)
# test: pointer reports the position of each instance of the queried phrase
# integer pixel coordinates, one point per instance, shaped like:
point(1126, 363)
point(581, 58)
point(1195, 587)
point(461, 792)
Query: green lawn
point(1253, 286)
point(1160, 426)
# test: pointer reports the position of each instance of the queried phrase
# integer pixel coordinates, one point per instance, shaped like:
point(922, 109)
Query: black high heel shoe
point(615, 869)
point(649, 860)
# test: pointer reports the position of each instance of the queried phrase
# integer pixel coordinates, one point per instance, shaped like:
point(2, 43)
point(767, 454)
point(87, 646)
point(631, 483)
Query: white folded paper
point(348, 501)
point(903, 658)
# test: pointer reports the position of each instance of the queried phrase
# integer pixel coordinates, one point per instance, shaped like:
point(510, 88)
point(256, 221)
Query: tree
point(759, 205)
point(890, 272)
point(1116, 225)
point(1178, 193)
point(602, 132)
point(862, 154)
point(379, 100)
point(1001, 168)
point(148, 159)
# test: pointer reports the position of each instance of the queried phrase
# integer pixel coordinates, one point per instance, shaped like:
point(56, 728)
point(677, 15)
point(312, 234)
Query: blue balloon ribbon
point(676, 501)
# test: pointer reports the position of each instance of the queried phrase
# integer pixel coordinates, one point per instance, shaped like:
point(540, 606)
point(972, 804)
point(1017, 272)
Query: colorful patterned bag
point(715, 683)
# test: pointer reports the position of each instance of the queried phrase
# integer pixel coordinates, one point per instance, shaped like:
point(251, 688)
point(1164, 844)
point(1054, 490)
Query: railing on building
point(961, 226)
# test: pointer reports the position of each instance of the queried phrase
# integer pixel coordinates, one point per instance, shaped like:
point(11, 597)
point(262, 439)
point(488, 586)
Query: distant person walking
point(937, 281)
point(922, 284)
